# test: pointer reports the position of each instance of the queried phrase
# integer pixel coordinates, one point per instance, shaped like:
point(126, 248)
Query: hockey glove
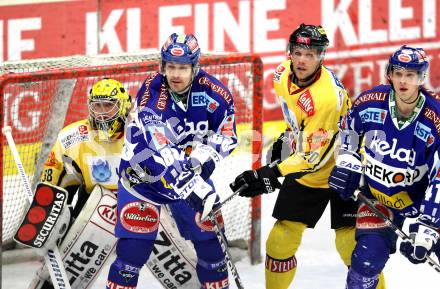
point(346, 175)
point(261, 181)
point(196, 192)
point(280, 150)
point(203, 160)
point(424, 238)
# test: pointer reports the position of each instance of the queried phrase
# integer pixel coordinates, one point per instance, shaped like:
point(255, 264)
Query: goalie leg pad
point(132, 254)
point(281, 246)
point(89, 241)
point(211, 266)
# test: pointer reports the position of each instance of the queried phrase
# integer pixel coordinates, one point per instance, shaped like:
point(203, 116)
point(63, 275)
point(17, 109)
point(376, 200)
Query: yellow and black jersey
point(312, 113)
point(79, 158)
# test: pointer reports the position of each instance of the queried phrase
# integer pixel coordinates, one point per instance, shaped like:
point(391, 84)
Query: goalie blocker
point(47, 218)
point(90, 241)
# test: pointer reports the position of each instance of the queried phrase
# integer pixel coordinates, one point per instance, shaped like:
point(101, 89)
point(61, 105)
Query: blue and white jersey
point(401, 157)
point(161, 133)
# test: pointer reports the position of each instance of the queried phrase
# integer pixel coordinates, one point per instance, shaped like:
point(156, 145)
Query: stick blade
point(207, 208)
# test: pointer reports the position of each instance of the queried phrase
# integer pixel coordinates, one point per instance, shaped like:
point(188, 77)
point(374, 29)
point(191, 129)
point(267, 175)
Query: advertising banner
point(362, 33)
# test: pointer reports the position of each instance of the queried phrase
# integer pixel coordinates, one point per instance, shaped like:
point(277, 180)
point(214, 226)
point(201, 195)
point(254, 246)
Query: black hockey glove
point(261, 181)
point(280, 150)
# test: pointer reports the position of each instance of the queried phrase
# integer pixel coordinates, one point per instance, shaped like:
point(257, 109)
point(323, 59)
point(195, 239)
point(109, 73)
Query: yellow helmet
point(109, 105)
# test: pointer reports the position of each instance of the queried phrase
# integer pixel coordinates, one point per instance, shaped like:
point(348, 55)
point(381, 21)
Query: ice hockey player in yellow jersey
point(313, 101)
point(83, 161)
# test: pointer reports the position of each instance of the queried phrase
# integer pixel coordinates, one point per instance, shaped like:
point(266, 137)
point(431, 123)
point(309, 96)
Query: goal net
point(39, 97)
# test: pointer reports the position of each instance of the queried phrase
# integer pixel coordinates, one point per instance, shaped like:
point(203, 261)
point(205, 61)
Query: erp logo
point(202, 99)
point(375, 115)
point(424, 133)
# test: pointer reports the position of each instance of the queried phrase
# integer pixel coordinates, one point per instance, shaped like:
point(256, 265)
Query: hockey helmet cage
point(308, 36)
point(411, 58)
point(109, 105)
point(181, 48)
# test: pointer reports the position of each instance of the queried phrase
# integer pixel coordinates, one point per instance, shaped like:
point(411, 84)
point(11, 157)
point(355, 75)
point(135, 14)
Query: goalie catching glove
point(424, 238)
point(346, 175)
point(256, 182)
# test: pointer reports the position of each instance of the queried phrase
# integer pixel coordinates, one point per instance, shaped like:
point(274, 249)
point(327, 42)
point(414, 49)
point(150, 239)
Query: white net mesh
point(54, 95)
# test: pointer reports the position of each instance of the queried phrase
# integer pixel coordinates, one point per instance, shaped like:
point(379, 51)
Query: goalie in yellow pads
point(84, 158)
point(313, 101)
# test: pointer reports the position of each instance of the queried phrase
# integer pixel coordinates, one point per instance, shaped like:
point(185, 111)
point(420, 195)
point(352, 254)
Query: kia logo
point(107, 213)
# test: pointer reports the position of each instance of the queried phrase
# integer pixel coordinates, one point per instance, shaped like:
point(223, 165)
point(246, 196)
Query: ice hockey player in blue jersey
point(181, 126)
point(400, 124)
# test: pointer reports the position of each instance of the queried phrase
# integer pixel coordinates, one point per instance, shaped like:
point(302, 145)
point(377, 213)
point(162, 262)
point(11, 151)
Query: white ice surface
point(319, 265)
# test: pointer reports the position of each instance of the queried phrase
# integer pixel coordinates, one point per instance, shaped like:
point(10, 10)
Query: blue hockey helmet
point(407, 57)
point(181, 48)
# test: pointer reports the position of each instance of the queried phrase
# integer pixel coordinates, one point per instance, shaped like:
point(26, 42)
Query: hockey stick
point(388, 222)
point(223, 243)
point(227, 200)
point(53, 257)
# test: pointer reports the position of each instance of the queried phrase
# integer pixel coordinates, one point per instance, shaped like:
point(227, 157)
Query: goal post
point(39, 97)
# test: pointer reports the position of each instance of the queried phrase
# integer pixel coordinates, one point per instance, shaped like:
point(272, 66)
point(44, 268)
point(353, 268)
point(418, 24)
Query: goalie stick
point(397, 230)
point(52, 257)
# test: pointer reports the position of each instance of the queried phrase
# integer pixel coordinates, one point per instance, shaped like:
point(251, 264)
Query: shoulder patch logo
point(219, 89)
point(74, 136)
point(51, 160)
point(146, 96)
point(83, 129)
point(163, 98)
point(305, 103)
point(278, 72)
point(423, 132)
point(203, 99)
point(372, 114)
